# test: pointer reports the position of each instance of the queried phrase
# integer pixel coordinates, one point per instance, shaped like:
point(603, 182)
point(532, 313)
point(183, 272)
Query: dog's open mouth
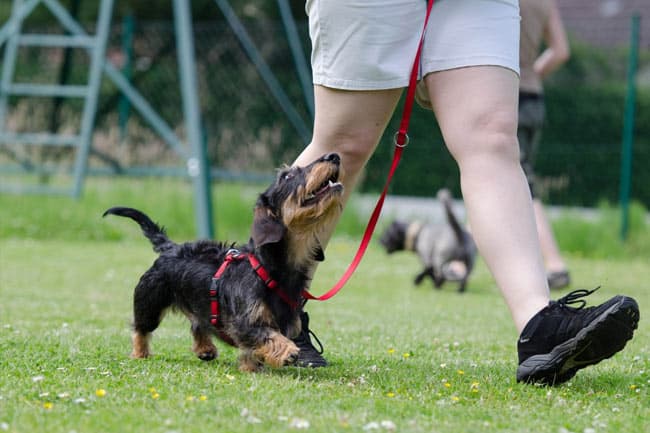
point(330, 186)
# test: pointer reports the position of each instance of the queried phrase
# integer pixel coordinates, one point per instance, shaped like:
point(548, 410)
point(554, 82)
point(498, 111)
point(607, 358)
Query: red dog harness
point(235, 255)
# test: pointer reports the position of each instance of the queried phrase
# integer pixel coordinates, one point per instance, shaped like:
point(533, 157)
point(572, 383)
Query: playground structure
point(239, 54)
point(193, 152)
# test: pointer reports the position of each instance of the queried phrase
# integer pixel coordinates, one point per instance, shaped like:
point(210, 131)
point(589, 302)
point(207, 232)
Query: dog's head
point(299, 205)
point(394, 236)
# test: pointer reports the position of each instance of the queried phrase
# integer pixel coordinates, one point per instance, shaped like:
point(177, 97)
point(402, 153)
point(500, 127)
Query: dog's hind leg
point(419, 277)
point(140, 343)
point(438, 280)
point(149, 305)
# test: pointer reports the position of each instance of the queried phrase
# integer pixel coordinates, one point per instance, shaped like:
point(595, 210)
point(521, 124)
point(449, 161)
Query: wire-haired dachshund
point(249, 295)
point(437, 245)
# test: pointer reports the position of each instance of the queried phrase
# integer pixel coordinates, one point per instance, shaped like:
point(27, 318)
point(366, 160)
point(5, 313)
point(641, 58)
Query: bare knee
point(491, 137)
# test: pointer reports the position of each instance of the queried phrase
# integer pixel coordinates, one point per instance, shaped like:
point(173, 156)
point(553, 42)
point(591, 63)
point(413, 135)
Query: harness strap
point(261, 272)
point(270, 282)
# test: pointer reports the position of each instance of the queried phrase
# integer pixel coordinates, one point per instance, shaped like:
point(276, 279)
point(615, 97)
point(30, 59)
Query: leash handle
point(401, 141)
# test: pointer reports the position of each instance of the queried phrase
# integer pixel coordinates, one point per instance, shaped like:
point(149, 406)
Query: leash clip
point(234, 254)
point(397, 137)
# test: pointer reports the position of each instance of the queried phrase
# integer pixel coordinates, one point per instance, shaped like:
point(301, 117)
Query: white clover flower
point(299, 423)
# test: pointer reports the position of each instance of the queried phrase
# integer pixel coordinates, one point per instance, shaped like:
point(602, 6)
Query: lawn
point(402, 358)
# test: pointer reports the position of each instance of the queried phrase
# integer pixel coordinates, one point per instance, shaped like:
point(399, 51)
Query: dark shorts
point(529, 129)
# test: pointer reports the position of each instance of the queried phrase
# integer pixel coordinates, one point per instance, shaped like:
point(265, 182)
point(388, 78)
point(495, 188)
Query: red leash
point(401, 140)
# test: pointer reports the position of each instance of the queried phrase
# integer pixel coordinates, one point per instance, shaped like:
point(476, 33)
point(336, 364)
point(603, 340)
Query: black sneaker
point(308, 356)
point(560, 340)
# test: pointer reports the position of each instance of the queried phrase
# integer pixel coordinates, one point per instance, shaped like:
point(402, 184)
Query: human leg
point(351, 124)
point(476, 109)
point(531, 120)
point(550, 250)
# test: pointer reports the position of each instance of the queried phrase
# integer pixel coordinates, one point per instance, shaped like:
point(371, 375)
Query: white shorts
point(371, 44)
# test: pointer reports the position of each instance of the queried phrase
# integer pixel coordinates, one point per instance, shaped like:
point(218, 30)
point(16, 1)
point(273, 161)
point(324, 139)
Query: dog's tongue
point(324, 188)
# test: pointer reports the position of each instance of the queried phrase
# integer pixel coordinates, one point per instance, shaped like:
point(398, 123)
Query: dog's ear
point(267, 228)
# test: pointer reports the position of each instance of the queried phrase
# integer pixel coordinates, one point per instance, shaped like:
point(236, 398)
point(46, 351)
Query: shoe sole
point(590, 346)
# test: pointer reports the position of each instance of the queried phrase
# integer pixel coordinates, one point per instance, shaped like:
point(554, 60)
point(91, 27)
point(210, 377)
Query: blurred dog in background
point(446, 250)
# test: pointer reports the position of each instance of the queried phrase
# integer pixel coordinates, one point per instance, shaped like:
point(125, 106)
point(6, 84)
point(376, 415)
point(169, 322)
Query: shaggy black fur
point(287, 219)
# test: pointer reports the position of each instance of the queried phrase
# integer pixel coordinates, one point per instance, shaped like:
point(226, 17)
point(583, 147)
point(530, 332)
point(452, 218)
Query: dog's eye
point(287, 176)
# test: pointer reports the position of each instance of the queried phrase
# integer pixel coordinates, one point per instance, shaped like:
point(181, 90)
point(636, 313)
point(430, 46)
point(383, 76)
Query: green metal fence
point(256, 118)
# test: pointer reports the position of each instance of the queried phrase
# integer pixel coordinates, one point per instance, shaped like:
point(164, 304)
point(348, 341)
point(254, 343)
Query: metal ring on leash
point(406, 141)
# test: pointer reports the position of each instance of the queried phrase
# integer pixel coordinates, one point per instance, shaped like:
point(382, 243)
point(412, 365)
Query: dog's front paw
point(208, 355)
point(292, 358)
point(205, 350)
point(248, 362)
point(278, 351)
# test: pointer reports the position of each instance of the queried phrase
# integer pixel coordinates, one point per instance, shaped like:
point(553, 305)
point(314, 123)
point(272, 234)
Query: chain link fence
point(247, 132)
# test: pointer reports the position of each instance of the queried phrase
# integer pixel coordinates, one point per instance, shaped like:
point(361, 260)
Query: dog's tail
point(150, 229)
point(445, 197)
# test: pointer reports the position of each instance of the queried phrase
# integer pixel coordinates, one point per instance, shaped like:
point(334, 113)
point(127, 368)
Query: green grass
point(168, 201)
point(419, 359)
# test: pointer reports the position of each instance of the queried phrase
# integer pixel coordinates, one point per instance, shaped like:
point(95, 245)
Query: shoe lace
point(575, 296)
point(310, 334)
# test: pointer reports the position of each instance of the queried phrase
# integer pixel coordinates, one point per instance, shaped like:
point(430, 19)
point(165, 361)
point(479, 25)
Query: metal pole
point(265, 72)
point(90, 108)
point(628, 126)
point(124, 105)
point(137, 100)
point(303, 70)
point(9, 62)
point(197, 164)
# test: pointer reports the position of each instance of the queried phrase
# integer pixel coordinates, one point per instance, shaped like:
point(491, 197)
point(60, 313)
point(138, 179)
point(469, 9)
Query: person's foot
point(308, 356)
point(560, 340)
point(558, 280)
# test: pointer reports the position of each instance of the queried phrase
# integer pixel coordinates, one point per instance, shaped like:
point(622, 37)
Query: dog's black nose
point(332, 157)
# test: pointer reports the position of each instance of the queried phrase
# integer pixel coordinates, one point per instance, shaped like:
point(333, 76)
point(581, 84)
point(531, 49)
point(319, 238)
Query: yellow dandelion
point(391, 350)
point(155, 395)
point(474, 387)
point(460, 372)
point(390, 394)
point(406, 355)
point(100, 392)
point(203, 398)
point(447, 385)
point(455, 398)
point(47, 405)
point(632, 387)
point(189, 398)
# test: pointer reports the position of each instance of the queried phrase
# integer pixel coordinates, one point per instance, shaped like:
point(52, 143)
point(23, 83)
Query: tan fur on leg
point(278, 351)
point(140, 345)
point(204, 348)
point(248, 362)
